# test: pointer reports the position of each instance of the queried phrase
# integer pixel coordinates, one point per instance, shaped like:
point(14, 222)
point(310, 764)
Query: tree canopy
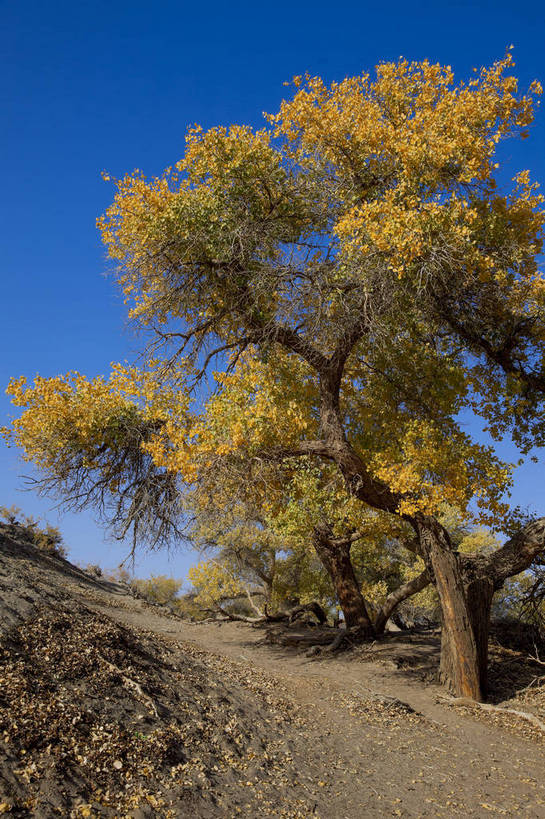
point(358, 273)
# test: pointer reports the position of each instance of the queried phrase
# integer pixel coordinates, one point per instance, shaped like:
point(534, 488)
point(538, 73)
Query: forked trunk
point(335, 558)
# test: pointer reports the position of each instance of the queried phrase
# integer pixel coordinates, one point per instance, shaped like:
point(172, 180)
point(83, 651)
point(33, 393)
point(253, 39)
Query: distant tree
point(291, 533)
point(158, 589)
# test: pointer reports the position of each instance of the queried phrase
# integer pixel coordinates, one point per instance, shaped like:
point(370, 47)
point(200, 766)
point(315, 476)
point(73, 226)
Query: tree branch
point(396, 597)
point(518, 553)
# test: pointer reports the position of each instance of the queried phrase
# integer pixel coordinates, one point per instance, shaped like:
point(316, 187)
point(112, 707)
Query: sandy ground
point(429, 759)
point(359, 734)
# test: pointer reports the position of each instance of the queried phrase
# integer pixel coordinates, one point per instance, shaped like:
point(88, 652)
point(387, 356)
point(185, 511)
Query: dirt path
point(362, 751)
point(353, 736)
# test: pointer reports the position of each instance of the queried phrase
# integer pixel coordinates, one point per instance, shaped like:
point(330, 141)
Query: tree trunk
point(465, 670)
point(335, 558)
point(463, 646)
point(479, 594)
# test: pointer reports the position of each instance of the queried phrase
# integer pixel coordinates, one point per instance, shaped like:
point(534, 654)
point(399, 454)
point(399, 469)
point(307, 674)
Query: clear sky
point(88, 86)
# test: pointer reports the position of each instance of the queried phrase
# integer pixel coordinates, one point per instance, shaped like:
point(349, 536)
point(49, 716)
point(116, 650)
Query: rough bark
point(479, 594)
point(518, 553)
point(466, 586)
point(460, 669)
point(335, 556)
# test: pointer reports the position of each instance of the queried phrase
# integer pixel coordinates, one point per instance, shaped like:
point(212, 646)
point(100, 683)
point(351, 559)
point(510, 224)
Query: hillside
point(99, 719)
point(109, 707)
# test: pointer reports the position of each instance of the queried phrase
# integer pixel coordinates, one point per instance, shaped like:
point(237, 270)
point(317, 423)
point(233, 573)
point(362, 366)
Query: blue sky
point(114, 85)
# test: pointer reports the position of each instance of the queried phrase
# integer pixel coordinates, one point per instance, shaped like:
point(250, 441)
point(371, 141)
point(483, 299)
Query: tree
point(360, 254)
point(228, 524)
point(359, 548)
point(241, 551)
point(291, 544)
point(158, 589)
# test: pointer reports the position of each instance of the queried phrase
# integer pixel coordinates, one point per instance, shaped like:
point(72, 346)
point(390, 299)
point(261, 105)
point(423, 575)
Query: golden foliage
point(371, 197)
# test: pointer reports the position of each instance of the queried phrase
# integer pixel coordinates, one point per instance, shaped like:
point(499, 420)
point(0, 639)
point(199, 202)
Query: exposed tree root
point(222, 614)
point(287, 617)
point(461, 702)
point(337, 642)
point(297, 639)
point(134, 686)
point(325, 640)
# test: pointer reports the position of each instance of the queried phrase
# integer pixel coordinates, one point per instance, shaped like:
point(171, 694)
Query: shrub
point(44, 537)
